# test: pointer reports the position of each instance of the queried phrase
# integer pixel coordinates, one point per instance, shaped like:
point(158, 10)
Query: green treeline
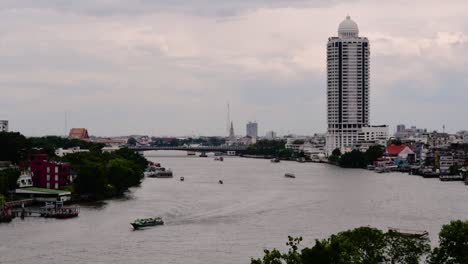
point(272, 148)
point(356, 158)
point(102, 175)
point(366, 245)
point(98, 175)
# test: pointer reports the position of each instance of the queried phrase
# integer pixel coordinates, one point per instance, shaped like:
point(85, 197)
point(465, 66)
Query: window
point(56, 185)
point(48, 185)
point(48, 178)
point(56, 170)
point(56, 178)
point(48, 169)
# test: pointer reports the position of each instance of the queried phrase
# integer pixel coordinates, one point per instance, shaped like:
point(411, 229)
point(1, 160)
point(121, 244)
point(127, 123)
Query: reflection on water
point(255, 208)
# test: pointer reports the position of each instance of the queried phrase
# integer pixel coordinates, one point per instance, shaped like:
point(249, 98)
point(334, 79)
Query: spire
point(231, 131)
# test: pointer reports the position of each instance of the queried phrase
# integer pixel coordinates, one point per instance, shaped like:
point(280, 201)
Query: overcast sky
point(169, 67)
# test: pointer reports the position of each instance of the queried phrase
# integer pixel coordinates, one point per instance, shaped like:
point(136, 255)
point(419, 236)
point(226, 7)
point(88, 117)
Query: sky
point(170, 67)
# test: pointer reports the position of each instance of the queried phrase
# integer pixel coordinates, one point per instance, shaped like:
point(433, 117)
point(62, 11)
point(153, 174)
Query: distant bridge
point(236, 149)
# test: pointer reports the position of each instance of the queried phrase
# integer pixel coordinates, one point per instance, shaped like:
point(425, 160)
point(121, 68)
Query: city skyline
point(123, 68)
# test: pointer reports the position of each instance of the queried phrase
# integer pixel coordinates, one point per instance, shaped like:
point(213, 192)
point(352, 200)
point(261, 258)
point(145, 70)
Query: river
point(255, 208)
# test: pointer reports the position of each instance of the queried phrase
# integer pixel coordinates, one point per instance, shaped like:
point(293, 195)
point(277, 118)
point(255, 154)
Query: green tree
point(8, 179)
point(336, 152)
point(406, 249)
point(131, 141)
point(122, 174)
point(353, 159)
point(13, 147)
point(453, 244)
point(373, 153)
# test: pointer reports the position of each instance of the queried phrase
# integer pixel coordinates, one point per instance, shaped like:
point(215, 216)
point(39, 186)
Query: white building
point(3, 125)
point(62, 152)
point(347, 87)
point(252, 129)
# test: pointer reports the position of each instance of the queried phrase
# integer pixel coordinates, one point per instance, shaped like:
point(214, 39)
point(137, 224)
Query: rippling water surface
point(255, 208)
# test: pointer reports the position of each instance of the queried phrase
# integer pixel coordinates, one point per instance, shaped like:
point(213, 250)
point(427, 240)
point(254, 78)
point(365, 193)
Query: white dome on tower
point(348, 28)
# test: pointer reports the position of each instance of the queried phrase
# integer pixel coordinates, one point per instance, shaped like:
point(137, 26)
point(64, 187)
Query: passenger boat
point(408, 232)
point(451, 177)
point(182, 179)
point(220, 182)
point(203, 155)
point(289, 175)
point(147, 222)
point(275, 160)
point(219, 159)
point(163, 174)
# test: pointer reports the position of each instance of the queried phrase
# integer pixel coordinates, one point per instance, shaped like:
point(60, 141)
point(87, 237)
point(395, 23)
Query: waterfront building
point(401, 151)
point(411, 134)
point(79, 133)
point(3, 125)
point(348, 90)
point(252, 129)
point(49, 174)
point(62, 152)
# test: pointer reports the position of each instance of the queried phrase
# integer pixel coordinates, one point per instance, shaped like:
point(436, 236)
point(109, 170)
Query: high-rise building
point(3, 125)
point(347, 87)
point(252, 129)
point(270, 135)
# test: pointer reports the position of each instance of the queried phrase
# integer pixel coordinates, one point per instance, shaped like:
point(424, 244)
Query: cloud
point(169, 67)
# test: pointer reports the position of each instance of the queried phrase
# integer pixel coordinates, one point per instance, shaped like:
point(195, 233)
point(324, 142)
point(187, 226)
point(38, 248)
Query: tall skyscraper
point(252, 129)
point(347, 86)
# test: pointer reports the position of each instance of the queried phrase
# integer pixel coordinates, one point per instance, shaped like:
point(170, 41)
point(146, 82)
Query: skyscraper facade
point(252, 129)
point(3, 125)
point(347, 86)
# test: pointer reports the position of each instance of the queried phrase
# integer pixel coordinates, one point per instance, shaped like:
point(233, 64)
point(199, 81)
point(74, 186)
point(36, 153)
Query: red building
point(49, 174)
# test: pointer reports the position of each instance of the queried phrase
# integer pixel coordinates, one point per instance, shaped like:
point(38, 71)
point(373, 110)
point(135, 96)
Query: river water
point(255, 208)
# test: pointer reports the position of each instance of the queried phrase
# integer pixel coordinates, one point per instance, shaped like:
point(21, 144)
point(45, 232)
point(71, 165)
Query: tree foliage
point(363, 245)
point(275, 148)
point(453, 244)
point(103, 175)
point(8, 179)
point(353, 159)
point(14, 147)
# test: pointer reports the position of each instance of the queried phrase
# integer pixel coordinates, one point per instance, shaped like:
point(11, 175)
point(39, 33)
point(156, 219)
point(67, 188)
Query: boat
point(147, 222)
point(182, 179)
point(289, 175)
point(191, 153)
point(408, 232)
point(275, 160)
point(451, 177)
point(219, 159)
point(370, 167)
point(163, 174)
point(220, 182)
point(203, 155)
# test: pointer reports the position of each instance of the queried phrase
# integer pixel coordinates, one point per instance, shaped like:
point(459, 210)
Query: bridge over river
point(233, 150)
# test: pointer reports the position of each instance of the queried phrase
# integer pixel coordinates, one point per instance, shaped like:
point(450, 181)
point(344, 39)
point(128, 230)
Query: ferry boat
point(219, 159)
point(163, 174)
point(275, 160)
point(220, 182)
point(182, 178)
point(289, 175)
point(147, 222)
point(203, 155)
point(451, 177)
